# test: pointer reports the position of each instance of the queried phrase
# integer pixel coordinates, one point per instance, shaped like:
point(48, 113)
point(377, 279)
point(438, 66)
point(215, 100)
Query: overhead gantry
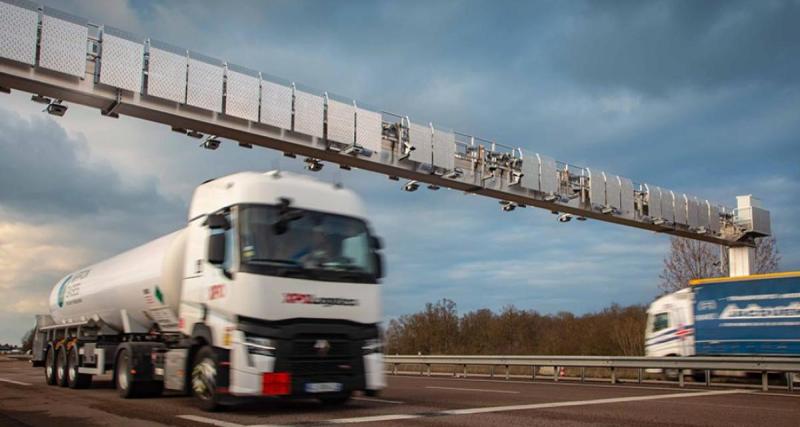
point(62, 58)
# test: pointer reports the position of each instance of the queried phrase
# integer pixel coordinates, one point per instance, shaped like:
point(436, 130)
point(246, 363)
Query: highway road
point(25, 400)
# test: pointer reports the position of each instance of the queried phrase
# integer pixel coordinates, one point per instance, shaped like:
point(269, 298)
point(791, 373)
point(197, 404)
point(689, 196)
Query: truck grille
point(322, 356)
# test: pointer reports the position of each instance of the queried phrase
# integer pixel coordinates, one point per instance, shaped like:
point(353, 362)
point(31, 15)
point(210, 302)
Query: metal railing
point(789, 366)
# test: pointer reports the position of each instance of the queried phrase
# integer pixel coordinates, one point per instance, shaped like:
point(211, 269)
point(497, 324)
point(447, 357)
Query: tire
point(699, 376)
point(74, 378)
point(372, 393)
point(127, 388)
point(337, 399)
point(61, 366)
point(204, 379)
point(50, 365)
point(671, 374)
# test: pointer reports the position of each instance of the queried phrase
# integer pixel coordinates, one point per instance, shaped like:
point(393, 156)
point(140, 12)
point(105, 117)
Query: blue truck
point(756, 315)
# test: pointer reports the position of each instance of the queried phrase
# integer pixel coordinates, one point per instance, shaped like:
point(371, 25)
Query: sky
point(700, 97)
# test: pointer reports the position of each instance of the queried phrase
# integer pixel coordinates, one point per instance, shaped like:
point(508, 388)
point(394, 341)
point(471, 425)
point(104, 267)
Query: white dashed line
point(588, 402)
point(14, 382)
point(373, 399)
point(213, 422)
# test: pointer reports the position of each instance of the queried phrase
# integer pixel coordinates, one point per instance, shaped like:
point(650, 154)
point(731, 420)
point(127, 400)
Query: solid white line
point(482, 390)
point(372, 399)
point(14, 382)
point(787, 394)
point(374, 418)
point(587, 402)
point(213, 422)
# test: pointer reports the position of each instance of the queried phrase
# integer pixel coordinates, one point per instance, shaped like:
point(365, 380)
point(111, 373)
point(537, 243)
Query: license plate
point(323, 387)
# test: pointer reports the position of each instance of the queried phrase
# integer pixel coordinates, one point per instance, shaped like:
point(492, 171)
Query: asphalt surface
point(25, 400)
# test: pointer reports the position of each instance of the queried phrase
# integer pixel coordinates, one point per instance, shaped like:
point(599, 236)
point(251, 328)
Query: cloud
point(658, 47)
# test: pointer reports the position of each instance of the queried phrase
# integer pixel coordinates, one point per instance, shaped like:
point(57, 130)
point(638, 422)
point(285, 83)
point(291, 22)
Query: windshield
point(285, 241)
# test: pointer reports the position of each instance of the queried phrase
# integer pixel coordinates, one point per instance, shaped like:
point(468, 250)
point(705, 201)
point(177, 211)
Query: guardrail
point(764, 365)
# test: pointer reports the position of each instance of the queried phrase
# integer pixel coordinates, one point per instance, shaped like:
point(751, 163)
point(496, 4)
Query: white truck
point(272, 289)
point(757, 315)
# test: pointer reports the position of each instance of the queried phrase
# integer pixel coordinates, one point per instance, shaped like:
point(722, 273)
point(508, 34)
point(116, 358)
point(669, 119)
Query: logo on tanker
point(62, 289)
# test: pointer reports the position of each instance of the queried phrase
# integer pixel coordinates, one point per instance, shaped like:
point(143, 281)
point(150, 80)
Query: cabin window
point(660, 322)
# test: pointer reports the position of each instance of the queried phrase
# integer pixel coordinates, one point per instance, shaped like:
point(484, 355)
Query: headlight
point(260, 346)
point(371, 346)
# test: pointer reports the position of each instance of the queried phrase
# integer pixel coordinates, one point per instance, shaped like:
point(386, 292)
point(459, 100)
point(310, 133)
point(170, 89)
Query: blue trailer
point(747, 316)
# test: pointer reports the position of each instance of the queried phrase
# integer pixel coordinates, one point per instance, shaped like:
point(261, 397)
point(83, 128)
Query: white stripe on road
point(213, 422)
point(587, 402)
point(484, 410)
point(370, 419)
point(482, 390)
point(14, 382)
point(373, 399)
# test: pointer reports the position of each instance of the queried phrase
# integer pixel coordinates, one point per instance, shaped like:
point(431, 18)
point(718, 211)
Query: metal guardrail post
point(583, 373)
point(708, 377)
point(533, 373)
point(680, 378)
point(507, 376)
point(465, 370)
point(764, 381)
point(790, 382)
point(491, 371)
point(639, 376)
point(421, 369)
point(394, 368)
point(613, 375)
point(429, 369)
point(455, 370)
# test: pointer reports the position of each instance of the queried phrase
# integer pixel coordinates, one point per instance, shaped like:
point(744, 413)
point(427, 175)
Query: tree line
point(439, 329)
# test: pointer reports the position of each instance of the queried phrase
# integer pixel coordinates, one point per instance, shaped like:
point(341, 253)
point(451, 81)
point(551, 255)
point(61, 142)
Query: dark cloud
point(658, 47)
point(46, 174)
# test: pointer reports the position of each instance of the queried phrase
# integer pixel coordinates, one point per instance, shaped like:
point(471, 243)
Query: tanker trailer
point(271, 289)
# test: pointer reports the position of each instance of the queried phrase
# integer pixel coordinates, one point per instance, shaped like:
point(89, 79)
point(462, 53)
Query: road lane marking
point(482, 390)
point(588, 402)
point(370, 419)
point(373, 399)
point(213, 422)
point(14, 382)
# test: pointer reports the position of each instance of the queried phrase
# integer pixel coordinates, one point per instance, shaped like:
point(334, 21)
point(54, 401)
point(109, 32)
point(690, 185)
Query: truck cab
point(670, 325)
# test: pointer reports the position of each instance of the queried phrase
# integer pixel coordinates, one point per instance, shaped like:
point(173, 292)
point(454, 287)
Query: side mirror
point(217, 221)
point(216, 248)
point(377, 260)
point(376, 243)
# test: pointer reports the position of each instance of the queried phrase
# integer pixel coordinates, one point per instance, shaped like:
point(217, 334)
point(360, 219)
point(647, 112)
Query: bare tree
point(27, 340)
point(693, 259)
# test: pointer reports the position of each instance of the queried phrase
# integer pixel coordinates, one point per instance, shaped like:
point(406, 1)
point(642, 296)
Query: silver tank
point(144, 281)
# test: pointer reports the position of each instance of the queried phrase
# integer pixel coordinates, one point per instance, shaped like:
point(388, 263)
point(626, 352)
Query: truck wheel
point(671, 374)
point(50, 365)
point(76, 379)
point(338, 399)
point(61, 366)
point(204, 379)
point(126, 386)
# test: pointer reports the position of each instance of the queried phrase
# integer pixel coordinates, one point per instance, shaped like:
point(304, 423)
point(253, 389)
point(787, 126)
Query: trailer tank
point(142, 281)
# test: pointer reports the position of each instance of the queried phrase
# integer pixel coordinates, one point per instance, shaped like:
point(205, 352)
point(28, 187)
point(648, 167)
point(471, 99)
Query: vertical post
point(455, 370)
point(708, 377)
point(583, 373)
point(764, 381)
point(491, 371)
point(790, 382)
point(507, 376)
point(421, 369)
point(533, 373)
point(394, 368)
point(465, 370)
point(613, 375)
point(639, 376)
point(680, 378)
point(741, 260)
point(429, 369)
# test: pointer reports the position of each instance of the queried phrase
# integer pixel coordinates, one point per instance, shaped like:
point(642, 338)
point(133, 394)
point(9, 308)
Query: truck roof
point(785, 274)
point(268, 187)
